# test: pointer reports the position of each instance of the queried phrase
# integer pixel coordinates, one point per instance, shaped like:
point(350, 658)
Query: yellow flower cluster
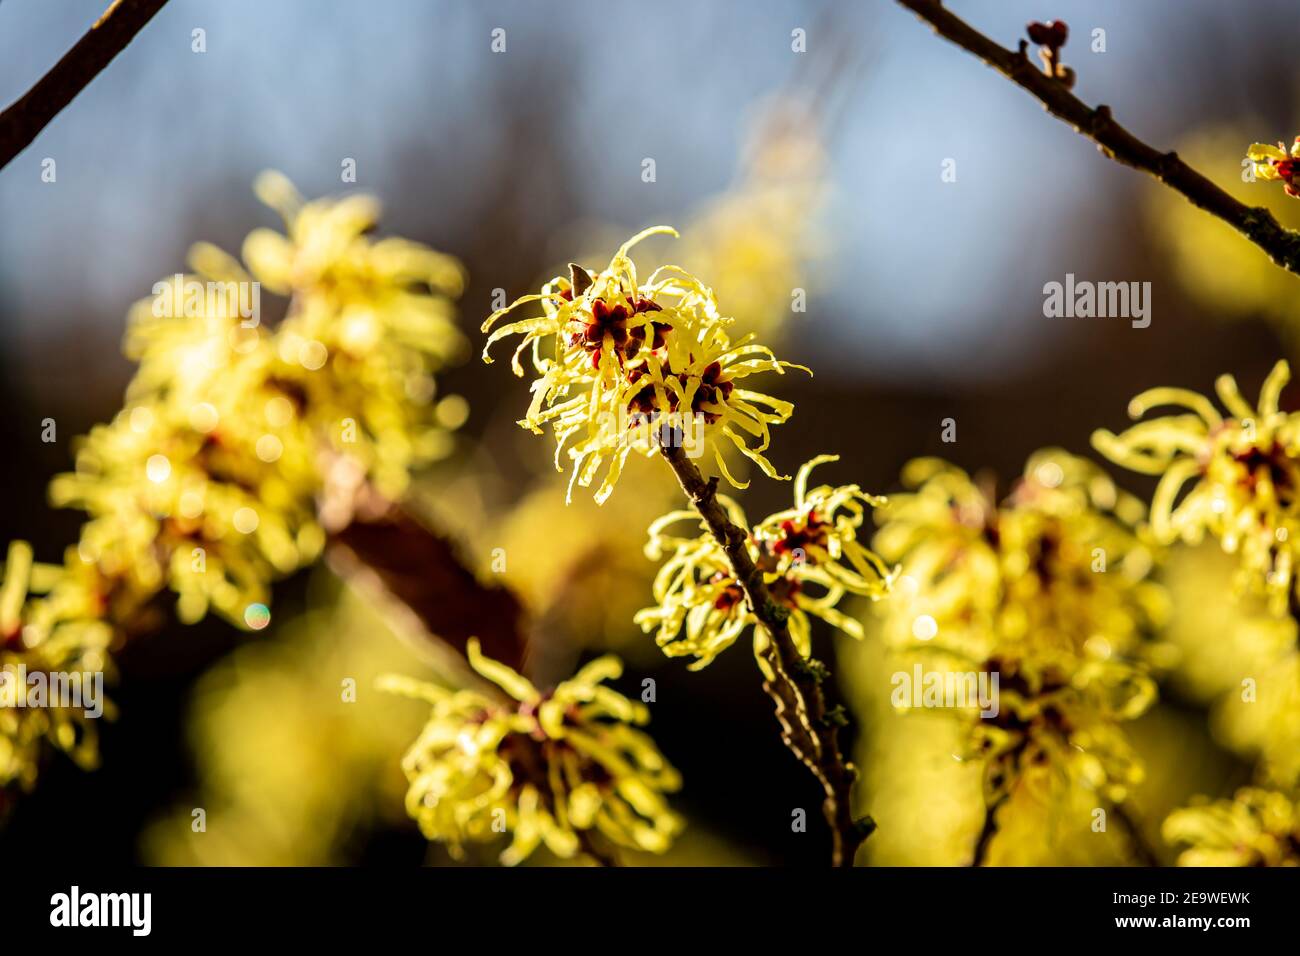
point(1255, 828)
point(810, 557)
point(210, 479)
point(623, 364)
point(1049, 591)
point(548, 768)
point(1245, 474)
point(53, 638)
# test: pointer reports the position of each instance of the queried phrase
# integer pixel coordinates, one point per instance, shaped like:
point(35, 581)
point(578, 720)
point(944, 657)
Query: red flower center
point(712, 389)
point(609, 323)
point(796, 536)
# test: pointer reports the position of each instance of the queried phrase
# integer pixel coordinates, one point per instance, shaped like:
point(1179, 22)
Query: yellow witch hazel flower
point(622, 365)
point(1245, 475)
point(1276, 163)
point(810, 557)
point(174, 506)
point(1048, 591)
point(1255, 828)
point(238, 439)
point(546, 767)
point(49, 644)
point(375, 316)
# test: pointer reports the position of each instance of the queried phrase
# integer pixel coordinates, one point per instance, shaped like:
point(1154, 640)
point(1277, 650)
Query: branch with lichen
point(23, 120)
point(808, 727)
point(1052, 89)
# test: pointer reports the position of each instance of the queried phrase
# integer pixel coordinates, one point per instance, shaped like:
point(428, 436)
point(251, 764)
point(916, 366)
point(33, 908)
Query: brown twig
point(1142, 849)
point(397, 558)
point(1255, 223)
point(808, 728)
point(987, 832)
point(23, 121)
point(599, 856)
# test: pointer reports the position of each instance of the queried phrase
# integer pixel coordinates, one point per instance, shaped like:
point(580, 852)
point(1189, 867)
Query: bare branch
point(808, 727)
point(1255, 223)
point(23, 121)
point(396, 558)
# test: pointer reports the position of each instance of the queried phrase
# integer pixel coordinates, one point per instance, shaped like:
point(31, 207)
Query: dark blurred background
point(926, 304)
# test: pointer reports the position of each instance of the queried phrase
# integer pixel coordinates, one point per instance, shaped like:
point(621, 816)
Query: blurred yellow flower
point(548, 768)
point(1255, 828)
point(1056, 731)
point(1237, 657)
point(50, 640)
point(812, 545)
point(1244, 472)
point(292, 750)
point(1264, 722)
point(240, 443)
point(1047, 590)
point(369, 322)
point(173, 507)
point(621, 363)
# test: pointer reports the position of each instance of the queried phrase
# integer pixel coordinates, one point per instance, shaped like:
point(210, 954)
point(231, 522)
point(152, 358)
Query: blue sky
point(926, 277)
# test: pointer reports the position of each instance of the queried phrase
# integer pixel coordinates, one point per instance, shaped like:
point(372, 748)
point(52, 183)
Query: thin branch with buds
point(808, 727)
point(1255, 223)
point(24, 119)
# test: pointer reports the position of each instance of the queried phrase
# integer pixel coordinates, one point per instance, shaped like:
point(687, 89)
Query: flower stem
point(987, 832)
point(1142, 849)
point(808, 727)
point(597, 855)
